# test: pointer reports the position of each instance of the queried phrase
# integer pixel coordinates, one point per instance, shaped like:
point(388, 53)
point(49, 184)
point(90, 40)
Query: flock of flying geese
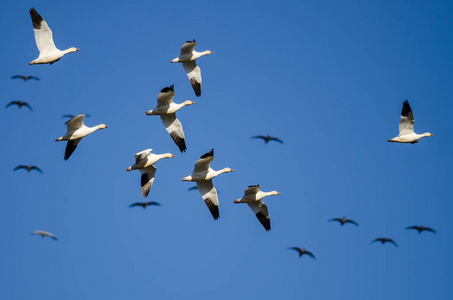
point(202, 173)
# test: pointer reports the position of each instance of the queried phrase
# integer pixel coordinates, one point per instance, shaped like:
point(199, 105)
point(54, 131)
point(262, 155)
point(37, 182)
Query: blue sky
point(328, 78)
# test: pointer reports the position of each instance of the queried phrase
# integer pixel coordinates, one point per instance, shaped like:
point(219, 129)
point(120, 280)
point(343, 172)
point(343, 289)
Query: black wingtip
point(191, 41)
point(35, 18)
point(214, 209)
point(168, 88)
point(266, 222)
point(406, 108)
point(254, 185)
point(180, 142)
point(196, 87)
point(211, 153)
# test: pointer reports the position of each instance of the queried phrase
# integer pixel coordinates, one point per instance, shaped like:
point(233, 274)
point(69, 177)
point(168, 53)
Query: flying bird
point(166, 109)
point(144, 204)
point(406, 127)
point(202, 174)
point(72, 116)
point(144, 162)
point(252, 196)
point(384, 240)
point(20, 104)
point(302, 251)
point(76, 130)
point(187, 58)
point(192, 188)
point(421, 228)
point(48, 53)
point(28, 168)
point(267, 138)
point(25, 78)
point(44, 233)
point(343, 221)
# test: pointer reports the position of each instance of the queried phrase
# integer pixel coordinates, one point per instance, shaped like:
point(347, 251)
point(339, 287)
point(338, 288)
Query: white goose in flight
point(166, 109)
point(252, 196)
point(44, 233)
point(144, 162)
point(202, 174)
point(76, 130)
point(48, 53)
point(187, 58)
point(406, 127)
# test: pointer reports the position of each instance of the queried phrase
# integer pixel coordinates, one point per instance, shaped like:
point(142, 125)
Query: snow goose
point(144, 204)
point(187, 58)
point(384, 240)
point(76, 130)
point(28, 168)
point(144, 162)
point(343, 221)
point(267, 138)
point(421, 228)
point(252, 196)
point(406, 127)
point(166, 109)
point(202, 174)
point(303, 251)
point(44, 233)
point(48, 53)
point(20, 104)
point(24, 78)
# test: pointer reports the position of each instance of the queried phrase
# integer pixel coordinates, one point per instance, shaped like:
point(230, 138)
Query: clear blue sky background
point(327, 77)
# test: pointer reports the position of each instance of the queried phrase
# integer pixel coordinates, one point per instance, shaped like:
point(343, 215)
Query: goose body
point(20, 104)
point(421, 228)
point(202, 174)
point(187, 58)
point(76, 130)
point(303, 251)
point(406, 127)
point(252, 196)
point(24, 78)
point(44, 233)
point(166, 109)
point(384, 240)
point(28, 168)
point(48, 53)
point(144, 162)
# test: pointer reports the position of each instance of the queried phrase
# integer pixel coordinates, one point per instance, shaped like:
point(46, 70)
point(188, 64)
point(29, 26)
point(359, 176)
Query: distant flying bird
point(44, 233)
point(383, 240)
point(252, 196)
point(76, 130)
point(20, 104)
point(202, 174)
point(166, 109)
point(406, 127)
point(267, 138)
point(28, 168)
point(193, 188)
point(48, 53)
point(303, 251)
point(144, 204)
point(25, 78)
point(421, 228)
point(72, 116)
point(144, 162)
point(343, 221)
point(187, 58)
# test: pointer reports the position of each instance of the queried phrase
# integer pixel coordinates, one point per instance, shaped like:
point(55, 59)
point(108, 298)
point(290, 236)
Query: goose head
point(428, 134)
point(226, 170)
point(188, 102)
point(102, 126)
point(273, 193)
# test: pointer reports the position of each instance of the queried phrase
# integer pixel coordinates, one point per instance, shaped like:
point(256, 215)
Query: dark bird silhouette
point(193, 188)
point(44, 233)
point(267, 138)
point(28, 168)
point(25, 78)
point(421, 228)
point(20, 104)
point(144, 204)
point(72, 116)
point(383, 240)
point(303, 251)
point(344, 220)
